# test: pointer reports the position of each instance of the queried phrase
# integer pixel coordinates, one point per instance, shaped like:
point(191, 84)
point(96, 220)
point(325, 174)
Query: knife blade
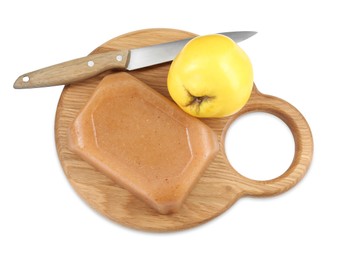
point(89, 66)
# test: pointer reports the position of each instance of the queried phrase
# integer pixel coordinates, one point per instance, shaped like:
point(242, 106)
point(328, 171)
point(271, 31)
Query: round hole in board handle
point(260, 146)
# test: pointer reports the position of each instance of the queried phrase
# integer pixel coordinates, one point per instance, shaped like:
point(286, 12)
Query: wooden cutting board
point(219, 187)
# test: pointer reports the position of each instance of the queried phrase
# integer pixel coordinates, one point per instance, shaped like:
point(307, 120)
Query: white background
point(299, 54)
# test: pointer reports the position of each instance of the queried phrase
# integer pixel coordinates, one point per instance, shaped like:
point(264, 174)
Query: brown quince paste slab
point(143, 141)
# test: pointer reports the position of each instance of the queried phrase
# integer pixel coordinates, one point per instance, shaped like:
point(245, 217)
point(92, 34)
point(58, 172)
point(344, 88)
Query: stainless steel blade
point(160, 53)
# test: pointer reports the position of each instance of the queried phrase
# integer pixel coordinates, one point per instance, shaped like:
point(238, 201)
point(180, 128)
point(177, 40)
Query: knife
point(89, 66)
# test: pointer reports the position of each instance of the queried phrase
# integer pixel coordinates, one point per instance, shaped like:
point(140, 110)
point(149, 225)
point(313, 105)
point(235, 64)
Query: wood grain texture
point(219, 187)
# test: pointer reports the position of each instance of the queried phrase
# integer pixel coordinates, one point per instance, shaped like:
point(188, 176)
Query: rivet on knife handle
point(74, 70)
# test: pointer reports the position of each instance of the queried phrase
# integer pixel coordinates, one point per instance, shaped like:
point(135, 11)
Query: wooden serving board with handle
point(220, 185)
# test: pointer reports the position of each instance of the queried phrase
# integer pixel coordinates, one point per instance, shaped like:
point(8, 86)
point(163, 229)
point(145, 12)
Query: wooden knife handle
point(74, 70)
point(303, 145)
